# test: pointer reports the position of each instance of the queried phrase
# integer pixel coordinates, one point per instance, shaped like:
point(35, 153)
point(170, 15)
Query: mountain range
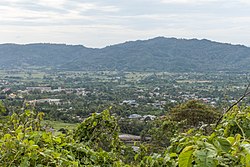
point(157, 54)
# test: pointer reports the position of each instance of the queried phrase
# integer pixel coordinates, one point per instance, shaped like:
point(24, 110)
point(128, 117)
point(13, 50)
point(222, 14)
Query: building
point(42, 89)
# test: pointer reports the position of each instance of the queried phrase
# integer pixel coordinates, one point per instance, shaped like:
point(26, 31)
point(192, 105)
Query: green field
point(58, 125)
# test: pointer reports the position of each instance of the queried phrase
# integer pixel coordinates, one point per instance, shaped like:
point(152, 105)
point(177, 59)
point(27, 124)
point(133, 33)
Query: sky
point(99, 23)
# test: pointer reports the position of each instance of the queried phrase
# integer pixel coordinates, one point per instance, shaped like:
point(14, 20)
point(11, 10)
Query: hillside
point(158, 54)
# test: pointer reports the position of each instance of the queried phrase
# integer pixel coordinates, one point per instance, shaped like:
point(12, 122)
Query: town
point(70, 96)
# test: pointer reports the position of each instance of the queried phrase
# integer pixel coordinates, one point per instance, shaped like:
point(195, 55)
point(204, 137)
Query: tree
point(100, 131)
point(195, 113)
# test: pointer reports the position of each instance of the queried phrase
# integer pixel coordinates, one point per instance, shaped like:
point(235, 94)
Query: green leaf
point(231, 139)
point(172, 155)
point(25, 162)
point(34, 147)
point(56, 154)
point(58, 140)
point(247, 151)
point(206, 157)
point(222, 144)
point(248, 160)
point(237, 138)
point(94, 123)
point(136, 157)
point(7, 137)
point(185, 157)
point(27, 112)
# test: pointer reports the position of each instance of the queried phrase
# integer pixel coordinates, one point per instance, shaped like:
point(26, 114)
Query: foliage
point(95, 142)
point(228, 145)
point(24, 142)
point(133, 126)
point(195, 113)
point(161, 131)
point(99, 131)
point(192, 114)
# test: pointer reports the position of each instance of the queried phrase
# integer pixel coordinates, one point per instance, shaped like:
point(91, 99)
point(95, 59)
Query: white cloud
point(52, 3)
point(245, 2)
point(48, 12)
point(97, 7)
point(188, 1)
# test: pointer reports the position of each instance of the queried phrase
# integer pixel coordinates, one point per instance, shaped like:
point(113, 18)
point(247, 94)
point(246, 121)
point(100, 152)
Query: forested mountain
point(54, 55)
point(158, 54)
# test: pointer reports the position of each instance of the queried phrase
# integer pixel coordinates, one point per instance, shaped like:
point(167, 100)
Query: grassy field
point(58, 125)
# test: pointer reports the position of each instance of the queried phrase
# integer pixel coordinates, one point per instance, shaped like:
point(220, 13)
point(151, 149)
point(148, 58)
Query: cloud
point(206, 2)
point(188, 1)
point(52, 3)
point(56, 12)
point(245, 2)
point(96, 7)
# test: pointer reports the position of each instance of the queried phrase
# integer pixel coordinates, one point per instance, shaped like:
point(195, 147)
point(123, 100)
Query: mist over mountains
point(157, 54)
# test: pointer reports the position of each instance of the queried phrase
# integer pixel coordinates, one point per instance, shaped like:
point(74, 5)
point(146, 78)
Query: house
point(130, 102)
point(135, 116)
point(5, 90)
point(40, 88)
point(148, 117)
point(50, 101)
point(128, 138)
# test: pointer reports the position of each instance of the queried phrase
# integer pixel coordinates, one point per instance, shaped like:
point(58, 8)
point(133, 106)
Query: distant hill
point(158, 54)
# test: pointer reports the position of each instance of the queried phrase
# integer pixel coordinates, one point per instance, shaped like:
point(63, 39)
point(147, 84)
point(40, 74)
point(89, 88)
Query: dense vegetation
point(25, 142)
point(158, 54)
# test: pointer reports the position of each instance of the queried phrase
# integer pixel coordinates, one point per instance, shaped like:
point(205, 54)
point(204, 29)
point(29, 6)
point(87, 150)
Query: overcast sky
point(98, 23)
